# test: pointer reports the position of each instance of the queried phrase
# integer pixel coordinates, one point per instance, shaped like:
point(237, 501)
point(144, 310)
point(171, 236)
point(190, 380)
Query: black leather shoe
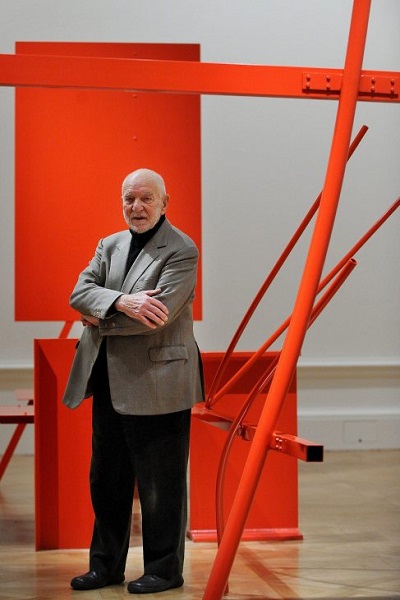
point(151, 584)
point(93, 580)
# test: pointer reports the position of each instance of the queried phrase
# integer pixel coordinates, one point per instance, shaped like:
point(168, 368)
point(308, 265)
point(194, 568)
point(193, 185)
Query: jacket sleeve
point(90, 296)
point(176, 279)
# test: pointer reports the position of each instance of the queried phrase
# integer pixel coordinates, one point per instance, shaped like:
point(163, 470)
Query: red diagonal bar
point(187, 77)
point(268, 343)
point(303, 305)
point(238, 426)
point(267, 283)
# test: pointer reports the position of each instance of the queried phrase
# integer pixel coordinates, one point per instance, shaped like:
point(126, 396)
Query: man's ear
point(165, 201)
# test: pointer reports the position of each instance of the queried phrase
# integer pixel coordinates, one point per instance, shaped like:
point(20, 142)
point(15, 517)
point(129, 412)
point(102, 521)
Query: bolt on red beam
point(297, 447)
point(303, 305)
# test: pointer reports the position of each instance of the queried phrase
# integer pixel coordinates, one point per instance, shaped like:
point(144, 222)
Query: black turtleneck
point(139, 240)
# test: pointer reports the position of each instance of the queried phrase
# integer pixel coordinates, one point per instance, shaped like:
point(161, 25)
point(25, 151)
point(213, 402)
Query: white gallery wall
point(263, 164)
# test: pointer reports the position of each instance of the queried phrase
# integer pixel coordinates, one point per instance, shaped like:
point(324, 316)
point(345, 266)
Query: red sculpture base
point(63, 512)
point(274, 512)
point(64, 517)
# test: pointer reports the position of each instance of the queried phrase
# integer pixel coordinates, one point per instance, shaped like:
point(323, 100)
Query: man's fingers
point(144, 307)
point(154, 302)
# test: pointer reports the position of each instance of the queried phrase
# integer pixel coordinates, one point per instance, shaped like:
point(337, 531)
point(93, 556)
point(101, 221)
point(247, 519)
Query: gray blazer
point(150, 371)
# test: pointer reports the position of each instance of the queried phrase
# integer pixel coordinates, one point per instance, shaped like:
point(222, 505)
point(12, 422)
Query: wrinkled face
point(143, 202)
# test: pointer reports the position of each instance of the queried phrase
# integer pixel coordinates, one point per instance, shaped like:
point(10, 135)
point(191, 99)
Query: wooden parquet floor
point(349, 516)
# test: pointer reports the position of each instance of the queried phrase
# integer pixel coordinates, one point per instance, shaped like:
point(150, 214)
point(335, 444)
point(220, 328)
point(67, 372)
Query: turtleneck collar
point(140, 239)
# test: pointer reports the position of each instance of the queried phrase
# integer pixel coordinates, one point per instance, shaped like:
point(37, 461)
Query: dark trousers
point(153, 452)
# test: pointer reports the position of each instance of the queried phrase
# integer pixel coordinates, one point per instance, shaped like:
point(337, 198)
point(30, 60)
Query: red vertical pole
point(303, 305)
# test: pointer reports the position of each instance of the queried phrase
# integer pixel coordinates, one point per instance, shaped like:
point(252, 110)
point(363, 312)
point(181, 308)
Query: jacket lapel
point(118, 262)
point(146, 257)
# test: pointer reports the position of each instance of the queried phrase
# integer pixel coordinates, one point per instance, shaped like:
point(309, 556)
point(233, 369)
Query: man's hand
point(89, 321)
point(143, 307)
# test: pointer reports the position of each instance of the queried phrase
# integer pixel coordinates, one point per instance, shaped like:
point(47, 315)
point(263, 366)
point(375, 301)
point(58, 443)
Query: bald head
point(145, 175)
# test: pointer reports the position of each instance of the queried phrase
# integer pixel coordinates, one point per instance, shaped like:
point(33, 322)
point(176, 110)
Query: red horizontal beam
point(187, 77)
point(284, 443)
point(17, 414)
point(199, 411)
point(297, 447)
point(288, 444)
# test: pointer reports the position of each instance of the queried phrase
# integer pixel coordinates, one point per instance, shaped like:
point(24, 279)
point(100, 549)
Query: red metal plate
point(73, 148)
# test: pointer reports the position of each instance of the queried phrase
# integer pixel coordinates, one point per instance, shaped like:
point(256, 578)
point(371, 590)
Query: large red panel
point(73, 148)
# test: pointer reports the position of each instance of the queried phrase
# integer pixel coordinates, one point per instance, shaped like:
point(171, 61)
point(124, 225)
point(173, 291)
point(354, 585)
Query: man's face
point(143, 203)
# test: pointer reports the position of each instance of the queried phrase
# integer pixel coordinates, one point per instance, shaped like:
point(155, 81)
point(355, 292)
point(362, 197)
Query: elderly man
point(139, 360)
